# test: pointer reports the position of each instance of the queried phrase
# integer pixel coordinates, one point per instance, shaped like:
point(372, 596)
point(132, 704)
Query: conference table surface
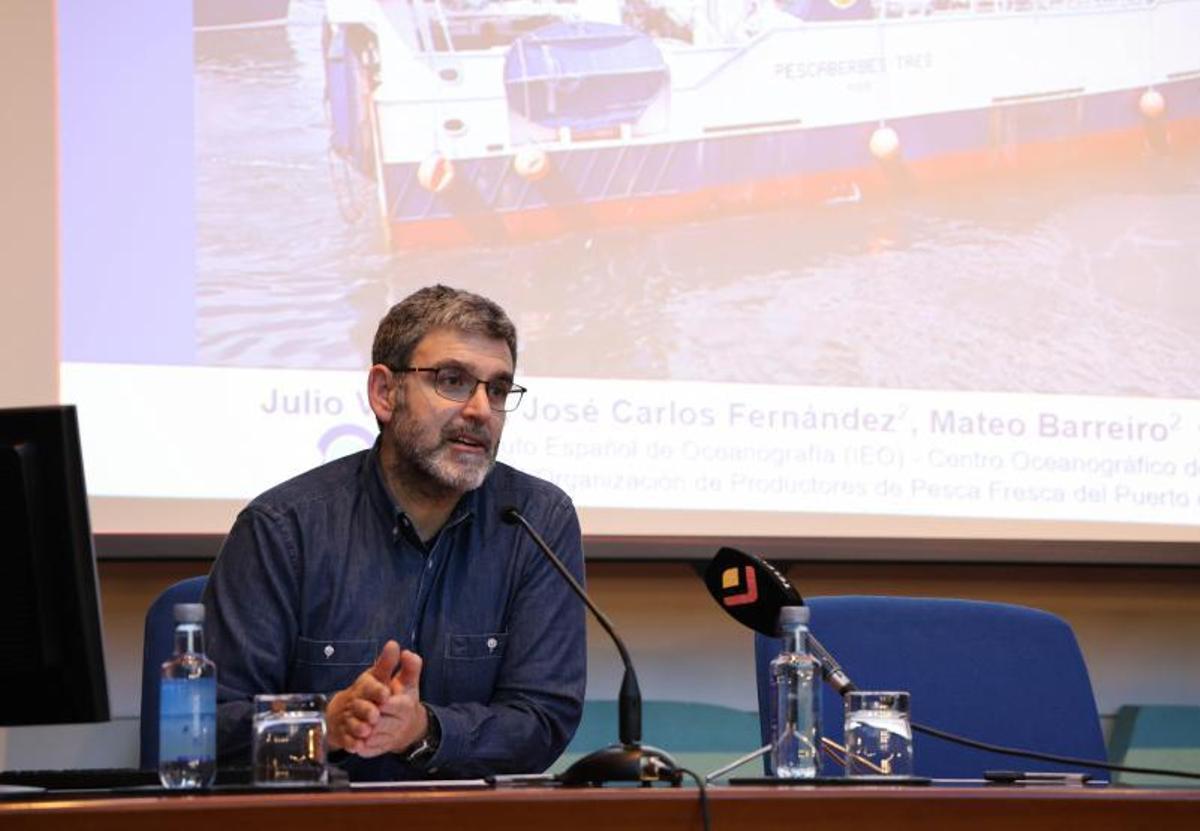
point(663, 809)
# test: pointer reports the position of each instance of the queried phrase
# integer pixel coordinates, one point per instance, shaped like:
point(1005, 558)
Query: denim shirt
point(320, 571)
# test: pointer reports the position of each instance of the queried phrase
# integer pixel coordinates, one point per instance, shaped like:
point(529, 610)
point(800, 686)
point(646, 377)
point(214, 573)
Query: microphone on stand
point(753, 592)
point(629, 760)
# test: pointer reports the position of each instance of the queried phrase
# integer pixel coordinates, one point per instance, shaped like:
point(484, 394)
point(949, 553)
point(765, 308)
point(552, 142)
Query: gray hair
point(438, 307)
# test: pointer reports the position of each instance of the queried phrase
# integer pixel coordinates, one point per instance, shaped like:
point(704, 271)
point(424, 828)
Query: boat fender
point(435, 173)
point(1152, 104)
point(531, 163)
point(885, 144)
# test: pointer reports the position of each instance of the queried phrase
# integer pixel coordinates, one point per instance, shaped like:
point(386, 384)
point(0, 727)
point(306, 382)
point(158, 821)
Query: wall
point(1138, 628)
point(28, 173)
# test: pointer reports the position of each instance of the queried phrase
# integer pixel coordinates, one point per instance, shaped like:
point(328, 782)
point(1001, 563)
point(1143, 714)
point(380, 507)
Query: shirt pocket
point(472, 663)
point(330, 665)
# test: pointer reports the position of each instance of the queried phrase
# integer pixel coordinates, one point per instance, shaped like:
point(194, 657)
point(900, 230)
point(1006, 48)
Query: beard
point(428, 459)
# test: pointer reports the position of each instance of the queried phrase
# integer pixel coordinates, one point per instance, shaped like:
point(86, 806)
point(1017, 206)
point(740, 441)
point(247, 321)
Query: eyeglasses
point(456, 384)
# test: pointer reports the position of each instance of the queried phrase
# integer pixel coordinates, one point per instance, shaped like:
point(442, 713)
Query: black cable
point(703, 796)
point(1046, 757)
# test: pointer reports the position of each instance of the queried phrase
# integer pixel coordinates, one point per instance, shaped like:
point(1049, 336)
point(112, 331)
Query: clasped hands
point(381, 711)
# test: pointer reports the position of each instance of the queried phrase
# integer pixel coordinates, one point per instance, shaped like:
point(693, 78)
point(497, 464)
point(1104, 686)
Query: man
point(387, 579)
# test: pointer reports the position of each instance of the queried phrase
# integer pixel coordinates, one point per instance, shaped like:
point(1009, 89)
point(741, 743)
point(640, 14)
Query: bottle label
point(187, 726)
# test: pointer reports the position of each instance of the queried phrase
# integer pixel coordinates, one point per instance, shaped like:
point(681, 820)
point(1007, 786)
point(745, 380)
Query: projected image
point(776, 266)
point(748, 191)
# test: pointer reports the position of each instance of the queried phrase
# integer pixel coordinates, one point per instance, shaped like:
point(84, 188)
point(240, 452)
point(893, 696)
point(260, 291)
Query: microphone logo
point(742, 582)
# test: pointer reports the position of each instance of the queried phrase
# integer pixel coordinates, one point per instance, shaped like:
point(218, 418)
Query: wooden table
point(660, 809)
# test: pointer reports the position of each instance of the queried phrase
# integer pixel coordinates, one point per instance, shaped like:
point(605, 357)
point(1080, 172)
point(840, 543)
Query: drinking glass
point(289, 740)
point(878, 734)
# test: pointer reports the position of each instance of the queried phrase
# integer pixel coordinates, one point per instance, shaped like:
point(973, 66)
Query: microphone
point(629, 760)
point(753, 592)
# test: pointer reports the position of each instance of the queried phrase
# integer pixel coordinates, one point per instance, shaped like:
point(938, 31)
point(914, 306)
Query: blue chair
point(1003, 674)
point(157, 645)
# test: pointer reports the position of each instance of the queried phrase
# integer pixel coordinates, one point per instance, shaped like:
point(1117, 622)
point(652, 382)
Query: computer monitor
point(51, 647)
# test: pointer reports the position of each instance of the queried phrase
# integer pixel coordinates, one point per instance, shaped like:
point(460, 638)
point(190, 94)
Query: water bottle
point(187, 720)
point(796, 731)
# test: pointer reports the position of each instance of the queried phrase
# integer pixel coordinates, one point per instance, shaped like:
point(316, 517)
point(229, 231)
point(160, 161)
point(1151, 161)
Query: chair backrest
point(157, 645)
point(994, 672)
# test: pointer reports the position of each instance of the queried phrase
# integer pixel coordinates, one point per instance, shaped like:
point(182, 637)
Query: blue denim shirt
point(320, 571)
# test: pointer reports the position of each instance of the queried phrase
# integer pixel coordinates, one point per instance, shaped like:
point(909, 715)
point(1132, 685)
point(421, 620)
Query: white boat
point(487, 122)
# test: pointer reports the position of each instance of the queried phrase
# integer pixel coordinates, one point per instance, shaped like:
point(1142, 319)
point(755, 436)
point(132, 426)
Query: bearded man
point(447, 644)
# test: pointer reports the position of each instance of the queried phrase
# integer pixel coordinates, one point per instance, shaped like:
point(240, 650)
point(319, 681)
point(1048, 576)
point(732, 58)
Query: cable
point(738, 762)
point(703, 796)
point(1045, 757)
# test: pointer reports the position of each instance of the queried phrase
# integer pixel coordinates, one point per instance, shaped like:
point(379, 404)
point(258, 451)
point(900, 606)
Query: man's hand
point(402, 720)
point(352, 713)
point(381, 711)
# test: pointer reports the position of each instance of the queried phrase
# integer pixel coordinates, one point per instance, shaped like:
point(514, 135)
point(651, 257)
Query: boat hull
point(585, 187)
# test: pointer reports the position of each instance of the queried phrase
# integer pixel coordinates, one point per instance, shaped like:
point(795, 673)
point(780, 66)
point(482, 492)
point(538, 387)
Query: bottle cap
point(793, 615)
point(189, 613)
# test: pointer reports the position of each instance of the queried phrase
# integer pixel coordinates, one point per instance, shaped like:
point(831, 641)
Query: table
point(660, 809)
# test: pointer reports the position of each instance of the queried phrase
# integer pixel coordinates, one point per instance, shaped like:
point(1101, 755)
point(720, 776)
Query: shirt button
point(328, 650)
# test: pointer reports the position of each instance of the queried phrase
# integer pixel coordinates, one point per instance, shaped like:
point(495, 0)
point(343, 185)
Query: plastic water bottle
point(796, 730)
point(187, 720)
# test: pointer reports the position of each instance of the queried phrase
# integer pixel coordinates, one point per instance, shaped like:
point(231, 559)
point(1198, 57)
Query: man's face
point(449, 445)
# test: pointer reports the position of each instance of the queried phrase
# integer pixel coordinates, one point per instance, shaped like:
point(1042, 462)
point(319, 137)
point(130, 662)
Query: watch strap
point(425, 747)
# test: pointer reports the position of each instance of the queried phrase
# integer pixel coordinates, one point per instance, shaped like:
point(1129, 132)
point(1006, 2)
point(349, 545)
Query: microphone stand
point(833, 673)
point(831, 748)
point(629, 760)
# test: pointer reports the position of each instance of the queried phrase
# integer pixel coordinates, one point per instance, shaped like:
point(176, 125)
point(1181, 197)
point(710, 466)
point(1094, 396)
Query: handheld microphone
point(630, 760)
point(753, 592)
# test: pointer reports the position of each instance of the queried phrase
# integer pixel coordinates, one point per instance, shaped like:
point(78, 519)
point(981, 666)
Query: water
point(796, 728)
point(883, 739)
point(187, 773)
point(1075, 282)
point(187, 730)
point(289, 749)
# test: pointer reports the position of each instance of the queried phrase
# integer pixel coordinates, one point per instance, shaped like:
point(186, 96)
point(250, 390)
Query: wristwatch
point(424, 749)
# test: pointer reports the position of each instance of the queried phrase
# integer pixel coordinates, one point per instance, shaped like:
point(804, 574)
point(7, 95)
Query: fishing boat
point(488, 122)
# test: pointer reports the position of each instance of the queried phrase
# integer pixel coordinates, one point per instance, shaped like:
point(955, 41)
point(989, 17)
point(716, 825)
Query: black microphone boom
point(629, 761)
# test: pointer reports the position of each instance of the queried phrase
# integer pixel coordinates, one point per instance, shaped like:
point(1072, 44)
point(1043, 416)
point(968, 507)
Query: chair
point(157, 645)
point(994, 672)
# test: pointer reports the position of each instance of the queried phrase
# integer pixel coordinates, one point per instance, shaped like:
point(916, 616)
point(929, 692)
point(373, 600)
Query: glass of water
point(289, 740)
point(878, 734)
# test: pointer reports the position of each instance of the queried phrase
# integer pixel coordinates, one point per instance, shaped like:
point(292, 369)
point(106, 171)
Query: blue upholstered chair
point(994, 672)
point(157, 645)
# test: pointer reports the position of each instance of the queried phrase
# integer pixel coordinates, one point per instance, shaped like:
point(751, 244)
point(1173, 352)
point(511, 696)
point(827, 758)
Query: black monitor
point(51, 648)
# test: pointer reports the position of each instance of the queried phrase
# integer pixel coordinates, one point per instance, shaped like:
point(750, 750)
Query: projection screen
point(838, 269)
